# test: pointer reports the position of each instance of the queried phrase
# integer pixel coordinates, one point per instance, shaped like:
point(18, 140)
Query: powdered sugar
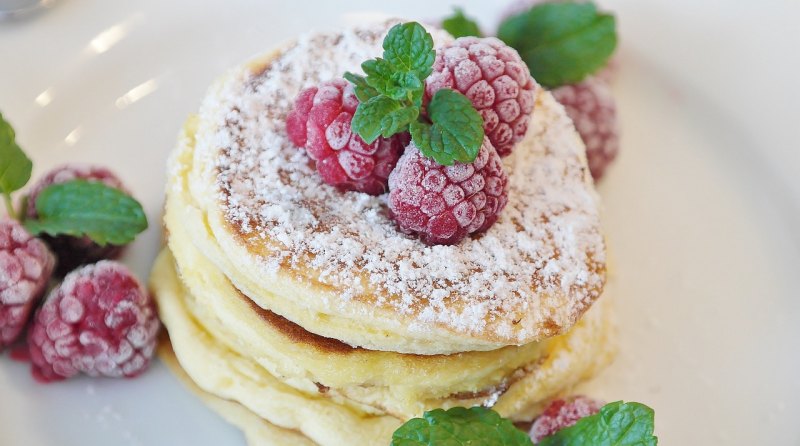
point(547, 242)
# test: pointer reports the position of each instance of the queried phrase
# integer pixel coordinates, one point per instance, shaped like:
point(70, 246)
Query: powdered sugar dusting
point(541, 264)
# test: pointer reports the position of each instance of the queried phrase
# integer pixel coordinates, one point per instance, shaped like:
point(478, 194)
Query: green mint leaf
point(457, 130)
point(459, 426)
point(398, 120)
point(364, 92)
point(368, 119)
point(379, 74)
point(404, 85)
point(104, 214)
point(617, 424)
point(15, 166)
point(561, 42)
point(409, 48)
point(459, 25)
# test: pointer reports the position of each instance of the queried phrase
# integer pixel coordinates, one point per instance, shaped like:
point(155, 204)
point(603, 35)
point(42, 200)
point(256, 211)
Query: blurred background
point(701, 208)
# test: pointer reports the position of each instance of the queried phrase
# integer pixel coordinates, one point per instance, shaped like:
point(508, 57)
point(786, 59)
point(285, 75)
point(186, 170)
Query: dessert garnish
point(615, 424)
point(461, 107)
point(74, 251)
point(100, 321)
point(448, 129)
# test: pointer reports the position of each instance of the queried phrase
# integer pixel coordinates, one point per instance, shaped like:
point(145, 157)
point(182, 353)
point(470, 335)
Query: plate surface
point(701, 208)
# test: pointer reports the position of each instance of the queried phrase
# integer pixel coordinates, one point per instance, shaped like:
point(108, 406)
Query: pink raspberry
point(591, 106)
point(493, 76)
point(320, 122)
point(444, 204)
point(75, 251)
point(100, 321)
point(561, 414)
point(25, 267)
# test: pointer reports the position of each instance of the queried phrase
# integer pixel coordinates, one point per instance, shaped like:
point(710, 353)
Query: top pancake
point(291, 239)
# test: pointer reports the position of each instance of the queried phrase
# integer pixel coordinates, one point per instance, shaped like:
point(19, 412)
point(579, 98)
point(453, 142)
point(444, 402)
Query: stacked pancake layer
point(300, 311)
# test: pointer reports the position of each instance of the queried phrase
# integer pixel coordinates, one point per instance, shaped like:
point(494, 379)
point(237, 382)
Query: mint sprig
point(15, 166)
point(561, 42)
point(459, 25)
point(617, 424)
point(459, 426)
point(78, 207)
point(391, 100)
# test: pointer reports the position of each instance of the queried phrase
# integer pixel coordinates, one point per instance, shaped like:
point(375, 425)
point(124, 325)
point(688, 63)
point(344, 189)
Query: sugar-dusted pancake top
point(529, 277)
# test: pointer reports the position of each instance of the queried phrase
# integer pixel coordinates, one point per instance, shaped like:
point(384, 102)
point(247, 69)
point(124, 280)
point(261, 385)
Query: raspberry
point(320, 122)
point(591, 106)
point(561, 414)
point(444, 204)
point(25, 267)
point(75, 251)
point(496, 80)
point(100, 321)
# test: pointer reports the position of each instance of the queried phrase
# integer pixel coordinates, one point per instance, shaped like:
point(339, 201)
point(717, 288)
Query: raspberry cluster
point(439, 204)
point(99, 321)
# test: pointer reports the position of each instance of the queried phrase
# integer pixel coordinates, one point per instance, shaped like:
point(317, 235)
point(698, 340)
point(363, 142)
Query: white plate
point(701, 207)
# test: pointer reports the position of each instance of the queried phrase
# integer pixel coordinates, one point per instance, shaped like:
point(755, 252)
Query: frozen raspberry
point(25, 267)
point(320, 122)
point(75, 251)
point(444, 204)
point(100, 321)
point(561, 414)
point(496, 80)
point(591, 106)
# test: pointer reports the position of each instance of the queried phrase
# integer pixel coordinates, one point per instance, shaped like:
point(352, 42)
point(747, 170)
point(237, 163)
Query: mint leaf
point(15, 166)
point(459, 25)
point(364, 91)
point(368, 119)
point(78, 207)
point(561, 42)
point(459, 426)
point(398, 120)
point(457, 130)
point(617, 424)
point(409, 48)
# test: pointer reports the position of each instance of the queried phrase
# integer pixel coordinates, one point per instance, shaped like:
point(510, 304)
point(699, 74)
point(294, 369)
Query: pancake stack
point(302, 314)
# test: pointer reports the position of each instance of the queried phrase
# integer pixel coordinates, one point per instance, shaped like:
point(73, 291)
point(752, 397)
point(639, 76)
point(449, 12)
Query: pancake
point(335, 264)
point(374, 381)
point(227, 374)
